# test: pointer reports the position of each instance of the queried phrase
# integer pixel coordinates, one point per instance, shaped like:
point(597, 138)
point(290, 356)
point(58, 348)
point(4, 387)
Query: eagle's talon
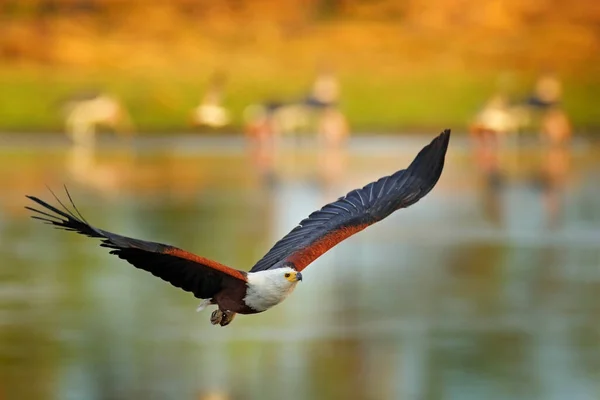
point(216, 317)
point(227, 317)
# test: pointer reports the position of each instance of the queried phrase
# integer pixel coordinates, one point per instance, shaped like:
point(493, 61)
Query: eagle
point(275, 275)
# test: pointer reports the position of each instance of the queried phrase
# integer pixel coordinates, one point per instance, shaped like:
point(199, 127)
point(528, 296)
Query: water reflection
point(434, 302)
point(554, 177)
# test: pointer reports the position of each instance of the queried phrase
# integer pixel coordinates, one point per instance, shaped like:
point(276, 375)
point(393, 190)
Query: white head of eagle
point(269, 288)
point(275, 275)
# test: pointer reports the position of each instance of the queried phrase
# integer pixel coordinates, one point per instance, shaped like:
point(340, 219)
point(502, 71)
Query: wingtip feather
point(444, 138)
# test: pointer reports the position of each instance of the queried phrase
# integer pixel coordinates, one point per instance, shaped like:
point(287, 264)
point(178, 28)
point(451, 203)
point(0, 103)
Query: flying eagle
point(274, 276)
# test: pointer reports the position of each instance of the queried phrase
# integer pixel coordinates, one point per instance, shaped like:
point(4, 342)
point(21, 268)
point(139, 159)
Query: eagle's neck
point(266, 289)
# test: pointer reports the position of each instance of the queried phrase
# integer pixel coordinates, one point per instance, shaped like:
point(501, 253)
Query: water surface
point(486, 289)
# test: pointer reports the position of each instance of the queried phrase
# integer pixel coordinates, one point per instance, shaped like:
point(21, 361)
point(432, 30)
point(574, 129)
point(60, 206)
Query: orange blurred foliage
point(447, 33)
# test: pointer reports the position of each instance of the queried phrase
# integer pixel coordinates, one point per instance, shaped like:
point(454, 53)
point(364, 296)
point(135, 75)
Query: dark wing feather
point(360, 208)
point(192, 273)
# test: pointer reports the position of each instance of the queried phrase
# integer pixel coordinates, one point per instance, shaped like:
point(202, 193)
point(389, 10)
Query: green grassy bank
point(29, 97)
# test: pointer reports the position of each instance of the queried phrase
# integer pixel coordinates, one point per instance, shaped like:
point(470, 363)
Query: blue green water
point(479, 291)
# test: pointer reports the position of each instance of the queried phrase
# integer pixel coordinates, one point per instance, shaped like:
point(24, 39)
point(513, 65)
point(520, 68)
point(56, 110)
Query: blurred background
point(217, 126)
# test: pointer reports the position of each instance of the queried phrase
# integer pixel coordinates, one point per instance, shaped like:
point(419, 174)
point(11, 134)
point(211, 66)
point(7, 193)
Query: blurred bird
point(556, 127)
point(497, 118)
point(87, 111)
point(210, 112)
point(275, 276)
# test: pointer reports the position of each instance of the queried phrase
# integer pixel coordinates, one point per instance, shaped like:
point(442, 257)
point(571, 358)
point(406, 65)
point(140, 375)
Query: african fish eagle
point(275, 276)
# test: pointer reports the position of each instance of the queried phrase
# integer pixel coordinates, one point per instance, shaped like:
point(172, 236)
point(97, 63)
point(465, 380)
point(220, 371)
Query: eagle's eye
point(287, 274)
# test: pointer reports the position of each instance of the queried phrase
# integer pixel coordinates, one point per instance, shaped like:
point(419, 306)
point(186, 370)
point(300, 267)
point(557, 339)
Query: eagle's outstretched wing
point(192, 273)
point(360, 208)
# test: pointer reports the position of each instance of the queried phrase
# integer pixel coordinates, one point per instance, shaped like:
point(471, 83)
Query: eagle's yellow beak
point(293, 276)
